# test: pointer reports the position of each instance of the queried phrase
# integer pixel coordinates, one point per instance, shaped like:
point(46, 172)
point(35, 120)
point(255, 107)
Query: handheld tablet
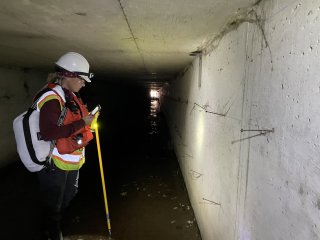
point(96, 109)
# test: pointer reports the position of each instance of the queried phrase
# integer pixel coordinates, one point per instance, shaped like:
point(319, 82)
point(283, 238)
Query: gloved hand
point(88, 119)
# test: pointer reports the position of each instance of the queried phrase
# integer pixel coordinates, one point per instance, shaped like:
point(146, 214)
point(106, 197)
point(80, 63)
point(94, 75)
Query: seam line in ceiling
point(132, 35)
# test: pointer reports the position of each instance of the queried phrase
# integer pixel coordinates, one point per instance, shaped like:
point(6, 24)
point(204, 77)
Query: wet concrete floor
point(147, 197)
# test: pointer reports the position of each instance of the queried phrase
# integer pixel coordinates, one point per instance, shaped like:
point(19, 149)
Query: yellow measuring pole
point(94, 125)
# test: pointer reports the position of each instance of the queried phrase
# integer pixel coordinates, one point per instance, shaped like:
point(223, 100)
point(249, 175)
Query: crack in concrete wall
point(133, 36)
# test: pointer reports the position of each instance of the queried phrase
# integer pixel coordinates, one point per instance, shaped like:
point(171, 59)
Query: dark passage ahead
point(146, 193)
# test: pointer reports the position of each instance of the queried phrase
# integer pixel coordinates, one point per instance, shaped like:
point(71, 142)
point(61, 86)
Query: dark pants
point(57, 189)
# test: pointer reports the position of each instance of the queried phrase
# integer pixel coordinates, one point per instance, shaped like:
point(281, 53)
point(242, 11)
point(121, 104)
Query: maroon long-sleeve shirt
point(49, 129)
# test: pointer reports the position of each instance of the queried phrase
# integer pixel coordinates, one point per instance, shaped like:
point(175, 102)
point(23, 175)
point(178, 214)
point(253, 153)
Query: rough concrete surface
point(243, 115)
point(256, 77)
point(17, 87)
point(121, 37)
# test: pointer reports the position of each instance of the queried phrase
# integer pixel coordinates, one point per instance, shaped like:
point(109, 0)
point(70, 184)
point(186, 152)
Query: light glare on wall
point(200, 129)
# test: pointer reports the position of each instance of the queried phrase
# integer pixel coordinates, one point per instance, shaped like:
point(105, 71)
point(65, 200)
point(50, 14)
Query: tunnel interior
point(210, 120)
point(147, 197)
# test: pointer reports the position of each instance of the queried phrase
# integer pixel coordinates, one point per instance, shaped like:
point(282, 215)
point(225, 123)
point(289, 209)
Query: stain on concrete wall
point(17, 87)
point(259, 73)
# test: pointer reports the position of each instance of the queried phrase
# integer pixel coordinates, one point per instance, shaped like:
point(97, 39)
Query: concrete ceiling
point(119, 37)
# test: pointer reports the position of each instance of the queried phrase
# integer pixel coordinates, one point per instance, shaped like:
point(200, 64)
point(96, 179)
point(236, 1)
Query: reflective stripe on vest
point(68, 158)
point(60, 163)
point(68, 161)
point(72, 161)
point(47, 97)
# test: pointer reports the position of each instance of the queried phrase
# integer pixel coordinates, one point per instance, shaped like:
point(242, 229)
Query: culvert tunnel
point(209, 124)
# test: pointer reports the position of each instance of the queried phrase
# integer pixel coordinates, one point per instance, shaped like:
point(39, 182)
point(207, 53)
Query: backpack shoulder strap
point(59, 123)
point(38, 96)
point(27, 129)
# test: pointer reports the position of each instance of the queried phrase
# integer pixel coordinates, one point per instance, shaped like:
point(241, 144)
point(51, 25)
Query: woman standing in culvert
point(59, 181)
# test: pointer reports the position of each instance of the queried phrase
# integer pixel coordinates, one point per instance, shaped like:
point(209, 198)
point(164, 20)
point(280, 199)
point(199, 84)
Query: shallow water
point(147, 197)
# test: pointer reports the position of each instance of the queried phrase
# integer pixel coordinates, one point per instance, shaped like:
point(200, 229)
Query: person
point(58, 181)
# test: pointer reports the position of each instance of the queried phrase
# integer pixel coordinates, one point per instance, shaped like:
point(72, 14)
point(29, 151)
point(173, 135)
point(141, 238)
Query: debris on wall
point(258, 156)
point(253, 15)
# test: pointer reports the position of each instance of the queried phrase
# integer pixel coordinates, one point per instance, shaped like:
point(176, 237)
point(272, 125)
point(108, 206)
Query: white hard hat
point(75, 63)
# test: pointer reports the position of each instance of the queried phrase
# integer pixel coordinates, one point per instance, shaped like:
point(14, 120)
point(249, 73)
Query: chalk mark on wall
point(262, 133)
point(211, 202)
point(204, 107)
point(195, 174)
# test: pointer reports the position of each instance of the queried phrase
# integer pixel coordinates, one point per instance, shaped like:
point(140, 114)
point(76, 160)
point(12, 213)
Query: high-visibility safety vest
point(67, 153)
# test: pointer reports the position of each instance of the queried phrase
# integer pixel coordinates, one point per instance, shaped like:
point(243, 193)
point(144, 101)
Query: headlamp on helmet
point(74, 64)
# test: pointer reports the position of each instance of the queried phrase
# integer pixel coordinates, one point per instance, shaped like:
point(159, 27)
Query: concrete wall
point(262, 72)
point(17, 87)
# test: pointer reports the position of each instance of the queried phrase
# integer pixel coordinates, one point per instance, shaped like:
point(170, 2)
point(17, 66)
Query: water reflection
point(87, 237)
point(153, 117)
